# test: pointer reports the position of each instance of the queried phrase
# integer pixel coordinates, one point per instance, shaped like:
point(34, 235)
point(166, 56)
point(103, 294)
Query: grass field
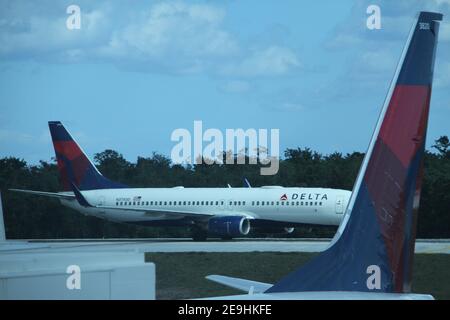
point(182, 275)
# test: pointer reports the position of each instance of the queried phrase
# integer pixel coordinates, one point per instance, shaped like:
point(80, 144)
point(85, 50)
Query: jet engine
point(229, 226)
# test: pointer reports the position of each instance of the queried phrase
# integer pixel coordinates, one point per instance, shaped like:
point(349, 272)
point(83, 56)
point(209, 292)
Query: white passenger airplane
point(223, 212)
point(371, 255)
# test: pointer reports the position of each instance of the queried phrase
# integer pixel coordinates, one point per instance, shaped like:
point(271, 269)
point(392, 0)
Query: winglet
point(80, 198)
point(246, 183)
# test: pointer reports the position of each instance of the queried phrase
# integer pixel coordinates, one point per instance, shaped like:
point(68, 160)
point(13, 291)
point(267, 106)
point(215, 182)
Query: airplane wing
point(248, 286)
point(171, 213)
point(59, 195)
point(168, 213)
point(165, 212)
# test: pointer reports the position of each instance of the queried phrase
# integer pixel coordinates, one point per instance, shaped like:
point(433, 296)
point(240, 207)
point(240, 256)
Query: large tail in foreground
point(374, 247)
point(73, 165)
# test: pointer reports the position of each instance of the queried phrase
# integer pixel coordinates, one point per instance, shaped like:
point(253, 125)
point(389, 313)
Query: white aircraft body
point(223, 212)
point(371, 255)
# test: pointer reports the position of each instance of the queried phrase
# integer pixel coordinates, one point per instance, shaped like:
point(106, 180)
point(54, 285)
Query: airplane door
point(101, 201)
point(228, 204)
point(223, 204)
point(339, 204)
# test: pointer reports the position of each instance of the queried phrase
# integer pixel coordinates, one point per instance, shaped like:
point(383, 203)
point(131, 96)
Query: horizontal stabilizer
point(81, 200)
point(240, 284)
point(60, 195)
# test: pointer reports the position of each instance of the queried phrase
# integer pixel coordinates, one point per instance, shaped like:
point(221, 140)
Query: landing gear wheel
point(199, 234)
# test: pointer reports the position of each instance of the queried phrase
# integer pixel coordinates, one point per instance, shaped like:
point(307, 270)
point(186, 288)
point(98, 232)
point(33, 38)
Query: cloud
point(271, 61)
point(444, 31)
point(289, 107)
point(173, 37)
point(442, 74)
point(15, 137)
point(46, 37)
point(235, 86)
point(373, 54)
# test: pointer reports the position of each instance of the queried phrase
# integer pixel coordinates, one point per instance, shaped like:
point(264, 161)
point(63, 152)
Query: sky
point(132, 74)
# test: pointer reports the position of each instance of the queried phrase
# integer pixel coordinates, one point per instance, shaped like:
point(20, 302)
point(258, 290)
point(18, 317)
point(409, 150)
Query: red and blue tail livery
point(374, 247)
point(73, 165)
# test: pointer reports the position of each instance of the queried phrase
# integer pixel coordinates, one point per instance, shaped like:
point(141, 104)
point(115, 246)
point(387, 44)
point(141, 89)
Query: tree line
point(31, 217)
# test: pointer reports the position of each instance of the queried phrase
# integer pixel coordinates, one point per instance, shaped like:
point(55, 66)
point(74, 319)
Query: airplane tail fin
point(374, 247)
point(73, 164)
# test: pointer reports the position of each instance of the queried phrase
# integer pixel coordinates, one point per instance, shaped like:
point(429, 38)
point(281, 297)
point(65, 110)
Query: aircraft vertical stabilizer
point(374, 247)
point(73, 165)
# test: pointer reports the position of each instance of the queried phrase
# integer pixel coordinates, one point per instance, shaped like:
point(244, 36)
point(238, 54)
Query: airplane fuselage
point(287, 205)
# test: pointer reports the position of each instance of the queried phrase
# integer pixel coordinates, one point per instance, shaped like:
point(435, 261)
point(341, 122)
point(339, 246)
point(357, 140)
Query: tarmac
point(439, 246)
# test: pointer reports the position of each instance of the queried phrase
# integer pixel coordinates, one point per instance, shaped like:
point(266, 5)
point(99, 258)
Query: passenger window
point(165, 203)
point(278, 203)
point(298, 203)
point(272, 203)
point(243, 203)
point(311, 203)
point(301, 203)
point(217, 203)
point(221, 203)
point(206, 203)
